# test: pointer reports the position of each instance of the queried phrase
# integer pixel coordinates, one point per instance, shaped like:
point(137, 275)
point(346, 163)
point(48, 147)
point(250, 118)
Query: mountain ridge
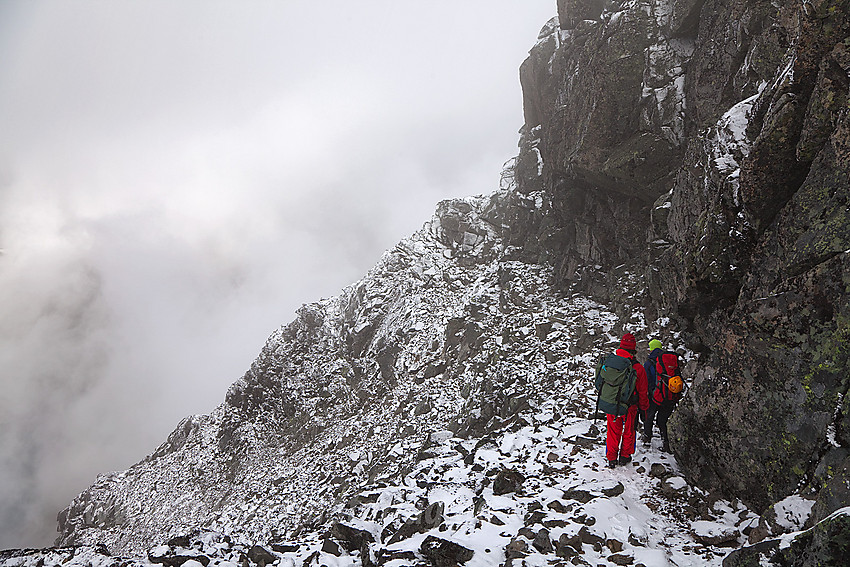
point(682, 174)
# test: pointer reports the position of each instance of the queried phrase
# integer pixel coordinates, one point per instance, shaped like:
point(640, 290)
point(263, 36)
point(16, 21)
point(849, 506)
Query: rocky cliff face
point(708, 142)
point(684, 165)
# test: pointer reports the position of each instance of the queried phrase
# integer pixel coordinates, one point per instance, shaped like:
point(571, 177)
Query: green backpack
point(615, 382)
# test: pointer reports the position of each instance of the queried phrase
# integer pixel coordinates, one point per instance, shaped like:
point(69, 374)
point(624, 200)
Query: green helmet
point(654, 344)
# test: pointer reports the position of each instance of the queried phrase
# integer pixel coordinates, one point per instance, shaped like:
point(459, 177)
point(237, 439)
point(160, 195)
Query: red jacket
point(642, 382)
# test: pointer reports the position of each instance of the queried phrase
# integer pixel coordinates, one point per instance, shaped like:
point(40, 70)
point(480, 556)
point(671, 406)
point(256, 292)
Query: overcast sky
point(177, 177)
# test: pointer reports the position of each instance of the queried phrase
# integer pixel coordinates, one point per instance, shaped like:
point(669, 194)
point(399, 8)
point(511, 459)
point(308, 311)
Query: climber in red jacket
point(620, 444)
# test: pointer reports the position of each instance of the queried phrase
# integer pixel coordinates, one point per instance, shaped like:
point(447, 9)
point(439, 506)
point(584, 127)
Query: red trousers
point(621, 435)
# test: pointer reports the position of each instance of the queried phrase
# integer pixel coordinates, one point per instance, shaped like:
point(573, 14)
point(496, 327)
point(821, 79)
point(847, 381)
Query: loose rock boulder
point(714, 534)
point(508, 481)
point(261, 556)
point(542, 542)
point(349, 537)
point(444, 553)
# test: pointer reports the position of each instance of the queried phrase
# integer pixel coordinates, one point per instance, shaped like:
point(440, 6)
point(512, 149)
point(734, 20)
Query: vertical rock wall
point(765, 264)
point(707, 142)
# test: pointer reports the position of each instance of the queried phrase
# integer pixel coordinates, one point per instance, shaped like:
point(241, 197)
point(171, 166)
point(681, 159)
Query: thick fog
point(176, 178)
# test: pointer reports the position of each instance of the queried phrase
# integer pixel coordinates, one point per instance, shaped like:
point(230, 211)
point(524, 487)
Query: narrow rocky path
point(537, 493)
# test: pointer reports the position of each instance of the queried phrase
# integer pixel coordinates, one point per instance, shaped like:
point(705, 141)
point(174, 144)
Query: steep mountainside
point(683, 168)
point(446, 332)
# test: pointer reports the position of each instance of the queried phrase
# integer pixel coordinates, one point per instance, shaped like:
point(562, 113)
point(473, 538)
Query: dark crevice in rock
point(809, 264)
point(687, 26)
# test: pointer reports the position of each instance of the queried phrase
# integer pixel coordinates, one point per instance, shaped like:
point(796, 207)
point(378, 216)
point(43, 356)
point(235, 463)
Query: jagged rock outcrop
point(709, 141)
point(764, 270)
point(605, 111)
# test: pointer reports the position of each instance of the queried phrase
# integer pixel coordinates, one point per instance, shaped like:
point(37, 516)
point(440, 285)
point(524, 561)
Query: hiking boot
point(645, 439)
point(665, 448)
point(612, 464)
point(624, 461)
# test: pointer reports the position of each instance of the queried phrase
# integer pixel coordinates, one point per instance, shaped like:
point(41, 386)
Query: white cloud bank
point(176, 178)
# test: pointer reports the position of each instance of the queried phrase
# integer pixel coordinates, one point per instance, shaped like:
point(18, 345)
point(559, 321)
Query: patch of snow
point(677, 483)
point(792, 512)
point(786, 540)
point(728, 139)
point(539, 161)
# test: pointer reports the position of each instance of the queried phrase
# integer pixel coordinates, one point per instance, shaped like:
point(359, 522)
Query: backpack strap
point(662, 385)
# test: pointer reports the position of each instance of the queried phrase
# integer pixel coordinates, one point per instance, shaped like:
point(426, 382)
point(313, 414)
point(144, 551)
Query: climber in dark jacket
point(655, 350)
point(663, 399)
point(622, 425)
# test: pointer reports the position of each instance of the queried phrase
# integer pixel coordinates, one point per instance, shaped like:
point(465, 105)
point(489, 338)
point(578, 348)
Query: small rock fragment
point(621, 559)
point(542, 542)
point(507, 481)
point(614, 491)
point(657, 470)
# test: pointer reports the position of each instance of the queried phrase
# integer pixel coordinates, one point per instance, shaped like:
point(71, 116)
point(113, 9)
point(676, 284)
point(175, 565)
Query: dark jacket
point(649, 368)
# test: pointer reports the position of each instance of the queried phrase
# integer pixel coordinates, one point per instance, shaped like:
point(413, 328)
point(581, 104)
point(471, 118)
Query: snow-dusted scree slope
point(534, 492)
point(443, 334)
